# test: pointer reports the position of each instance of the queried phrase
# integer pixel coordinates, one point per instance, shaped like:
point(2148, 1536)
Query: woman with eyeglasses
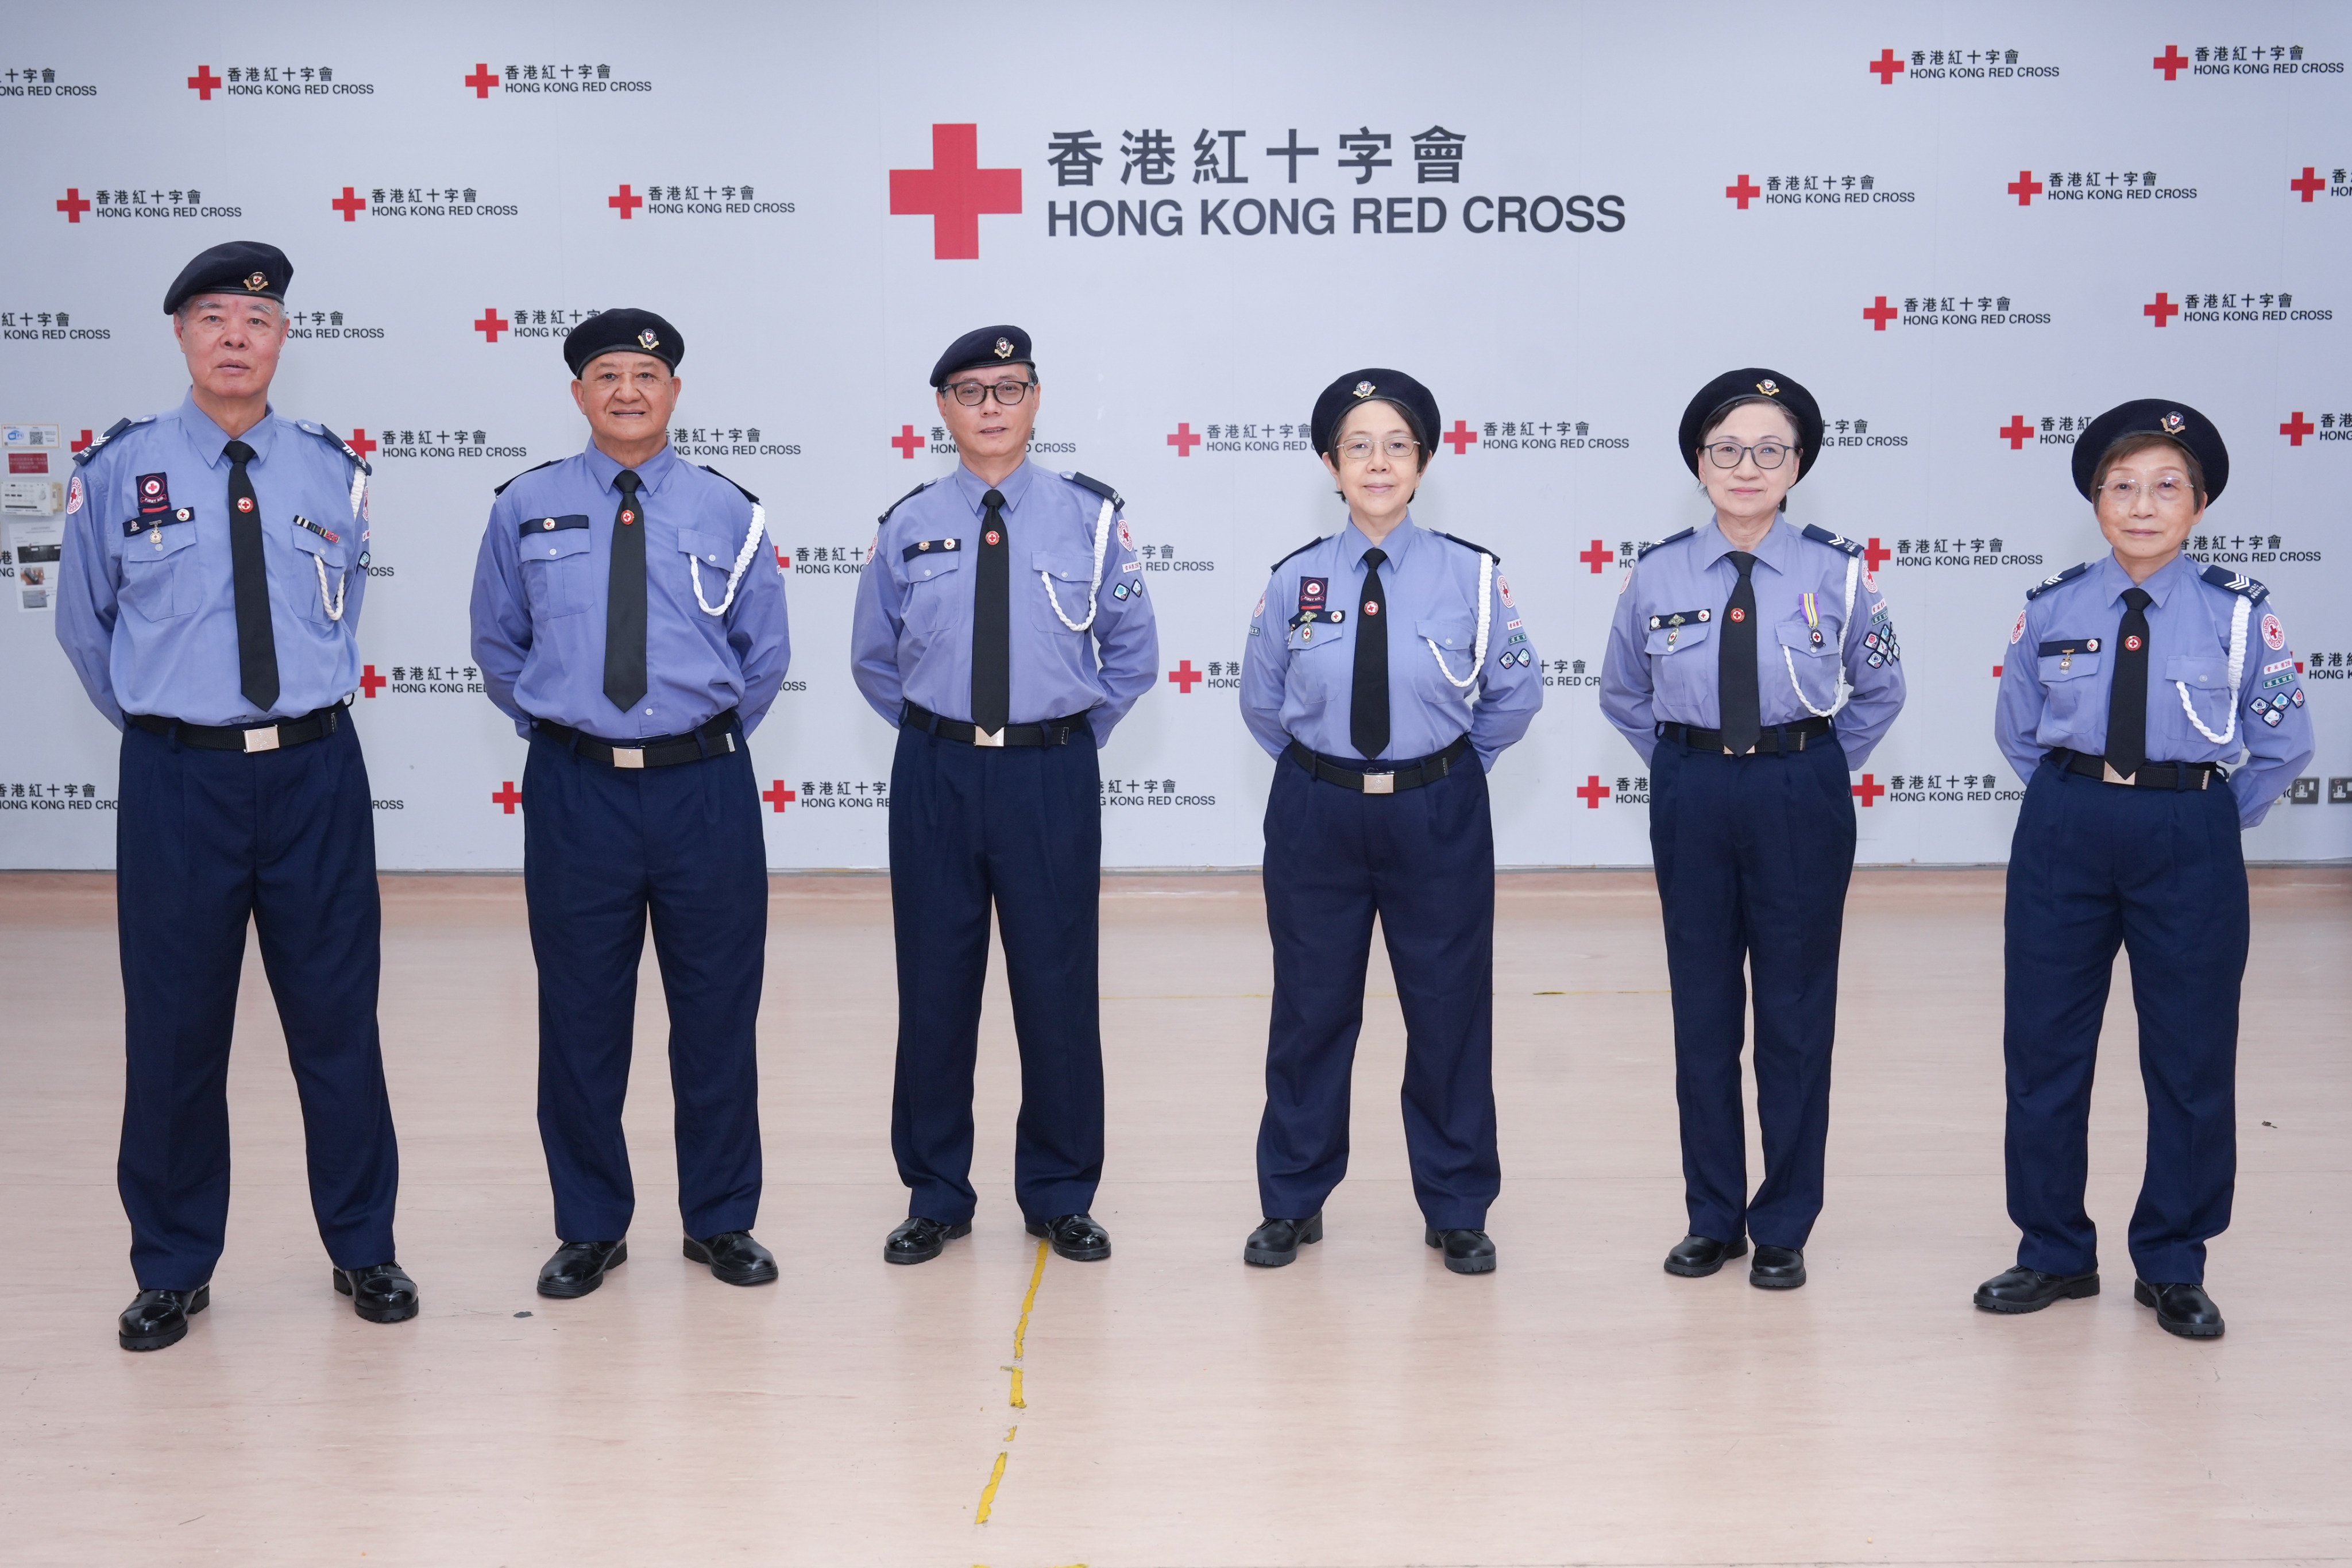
point(1385, 671)
point(2130, 682)
point(1752, 663)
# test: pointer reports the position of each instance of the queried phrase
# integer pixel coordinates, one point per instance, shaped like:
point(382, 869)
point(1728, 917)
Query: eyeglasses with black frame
point(1359, 448)
point(1768, 453)
point(973, 394)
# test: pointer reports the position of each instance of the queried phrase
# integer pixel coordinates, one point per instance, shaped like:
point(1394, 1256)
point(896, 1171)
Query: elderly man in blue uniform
point(628, 619)
point(1752, 664)
point(215, 568)
point(2131, 685)
point(1386, 670)
point(1001, 627)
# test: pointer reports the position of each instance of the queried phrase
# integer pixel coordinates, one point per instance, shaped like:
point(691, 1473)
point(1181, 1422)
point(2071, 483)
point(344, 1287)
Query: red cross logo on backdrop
point(371, 682)
point(1886, 65)
point(73, 206)
point(2297, 429)
point(1459, 437)
point(1593, 792)
point(1996, 672)
point(1874, 556)
point(360, 444)
point(509, 797)
point(2164, 310)
point(783, 562)
point(954, 192)
point(1184, 675)
point(1879, 313)
point(2025, 187)
point(2017, 432)
point(1869, 790)
point(626, 202)
point(1183, 440)
point(349, 205)
point(778, 797)
point(2311, 185)
point(491, 325)
point(87, 441)
point(906, 441)
point(482, 81)
point(1596, 557)
point(2172, 62)
point(204, 82)
point(1743, 193)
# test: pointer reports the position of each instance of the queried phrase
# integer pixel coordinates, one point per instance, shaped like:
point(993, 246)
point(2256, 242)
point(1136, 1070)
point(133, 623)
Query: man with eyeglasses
point(1003, 629)
point(2133, 684)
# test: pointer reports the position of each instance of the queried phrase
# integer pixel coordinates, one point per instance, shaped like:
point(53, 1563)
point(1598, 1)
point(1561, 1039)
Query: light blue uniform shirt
point(146, 603)
point(2054, 684)
point(541, 592)
point(1664, 656)
point(911, 638)
point(1299, 671)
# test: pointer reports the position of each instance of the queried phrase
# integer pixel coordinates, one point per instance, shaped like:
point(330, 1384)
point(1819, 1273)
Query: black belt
point(1052, 732)
point(660, 751)
point(2151, 775)
point(274, 736)
point(1775, 737)
point(1388, 781)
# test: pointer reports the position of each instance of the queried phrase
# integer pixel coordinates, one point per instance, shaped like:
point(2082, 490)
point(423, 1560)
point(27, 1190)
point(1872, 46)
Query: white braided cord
point(334, 606)
point(751, 538)
point(1844, 686)
point(2237, 670)
point(1094, 589)
point(1485, 623)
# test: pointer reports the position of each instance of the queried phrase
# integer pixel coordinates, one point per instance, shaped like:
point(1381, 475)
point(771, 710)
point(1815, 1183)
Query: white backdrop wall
point(1965, 227)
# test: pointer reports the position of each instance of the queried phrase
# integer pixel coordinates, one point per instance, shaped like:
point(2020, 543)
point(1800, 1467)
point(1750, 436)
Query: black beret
point(1375, 385)
point(2175, 422)
point(242, 267)
point(1754, 381)
point(988, 345)
point(623, 332)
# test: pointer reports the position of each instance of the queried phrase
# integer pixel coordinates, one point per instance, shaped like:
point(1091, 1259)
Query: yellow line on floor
point(988, 1492)
point(1017, 1400)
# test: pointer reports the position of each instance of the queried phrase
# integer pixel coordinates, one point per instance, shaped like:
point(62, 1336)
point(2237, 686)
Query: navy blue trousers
point(1753, 856)
point(2162, 874)
point(604, 850)
point(1423, 861)
point(1021, 827)
point(205, 841)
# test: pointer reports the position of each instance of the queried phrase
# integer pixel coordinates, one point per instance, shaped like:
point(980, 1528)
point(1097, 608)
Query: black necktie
point(256, 643)
point(1368, 706)
point(992, 620)
point(1737, 691)
point(2128, 698)
point(625, 606)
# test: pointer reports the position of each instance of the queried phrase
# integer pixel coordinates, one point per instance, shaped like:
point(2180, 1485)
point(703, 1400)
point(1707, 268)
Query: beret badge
point(1004, 348)
point(254, 282)
point(1768, 387)
point(648, 339)
point(1365, 389)
point(2173, 423)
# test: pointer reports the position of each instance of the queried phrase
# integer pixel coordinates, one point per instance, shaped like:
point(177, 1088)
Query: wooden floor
point(1361, 1408)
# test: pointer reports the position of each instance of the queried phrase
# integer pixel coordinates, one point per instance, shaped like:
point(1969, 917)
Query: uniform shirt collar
point(208, 438)
point(650, 473)
point(2113, 580)
point(1777, 548)
point(1353, 542)
point(1013, 488)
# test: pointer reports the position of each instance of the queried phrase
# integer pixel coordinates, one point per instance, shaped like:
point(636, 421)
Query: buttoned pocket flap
point(1455, 634)
point(1314, 635)
point(1665, 640)
point(1066, 568)
point(1799, 636)
point(156, 544)
point(334, 552)
point(711, 549)
point(2071, 667)
point(936, 563)
point(554, 546)
point(2198, 672)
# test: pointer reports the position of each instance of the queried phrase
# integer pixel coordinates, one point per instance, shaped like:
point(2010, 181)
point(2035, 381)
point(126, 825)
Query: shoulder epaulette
point(2237, 582)
point(1820, 535)
point(1294, 554)
point(902, 500)
point(2055, 578)
point(312, 427)
point(117, 429)
point(532, 470)
point(1467, 545)
point(715, 474)
point(1670, 539)
point(1118, 502)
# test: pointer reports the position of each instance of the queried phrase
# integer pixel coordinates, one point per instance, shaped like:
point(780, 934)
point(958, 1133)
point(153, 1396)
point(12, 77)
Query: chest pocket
point(160, 572)
point(931, 580)
point(557, 567)
point(1456, 636)
point(710, 555)
point(2207, 680)
point(2072, 682)
point(1682, 669)
point(323, 569)
point(1798, 636)
point(1070, 576)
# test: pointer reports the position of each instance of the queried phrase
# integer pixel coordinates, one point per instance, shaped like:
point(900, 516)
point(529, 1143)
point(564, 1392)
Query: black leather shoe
point(1777, 1268)
point(578, 1266)
point(1278, 1241)
point(1076, 1236)
point(2183, 1309)
point(920, 1240)
point(1695, 1256)
point(2023, 1289)
point(159, 1318)
point(1466, 1252)
point(381, 1292)
point(735, 1257)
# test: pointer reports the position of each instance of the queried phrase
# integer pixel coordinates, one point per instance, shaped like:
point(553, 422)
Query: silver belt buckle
point(262, 740)
point(1379, 784)
point(2108, 769)
point(981, 737)
point(628, 756)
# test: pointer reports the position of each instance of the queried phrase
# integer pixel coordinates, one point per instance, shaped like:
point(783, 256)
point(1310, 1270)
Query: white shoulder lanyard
point(1486, 625)
point(1844, 686)
point(1094, 589)
point(334, 606)
point(751, 538)
point(2237, 670)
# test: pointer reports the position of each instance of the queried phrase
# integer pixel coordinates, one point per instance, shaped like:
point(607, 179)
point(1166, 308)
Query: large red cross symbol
point(509, 797)
point(906, 441)
point(1183, 440)
point(953, 191)
point(2017, 432)
point(1886, 65)
point(490, 325)
point(87, 441)
point(371, 682)
point(2311, 185)
point(1184, 675)
point(2297, 429)
point(626, 202)
point(1593, 792)
point(1596, 557)
point(2164, 310)
point(360, 444)
point(1879, 313)
point(1743, 193)
point(2172, 62)
point(1869, 790)
point(2025, 187)
point(349, 205)
point(778, 797)
point(482, 81)
point(1459, 437)
point(204, 82)
point(73, 206)
point(1874, 556)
